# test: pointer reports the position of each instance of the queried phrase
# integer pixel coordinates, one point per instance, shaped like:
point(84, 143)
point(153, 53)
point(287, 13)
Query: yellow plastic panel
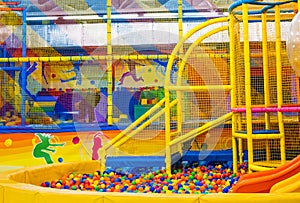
point(11, 191)
point(39, 174)
point(27, 193)
point(150, 198)
point(291, 184)
point(1, 193)
point(19, 193)
point(54, 195)
point(251, 198)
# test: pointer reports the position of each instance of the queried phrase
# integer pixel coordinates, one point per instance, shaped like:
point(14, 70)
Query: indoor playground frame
point(263, 129)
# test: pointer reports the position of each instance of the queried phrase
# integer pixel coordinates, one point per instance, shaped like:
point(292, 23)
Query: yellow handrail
point(144, 125)
point(134, 124)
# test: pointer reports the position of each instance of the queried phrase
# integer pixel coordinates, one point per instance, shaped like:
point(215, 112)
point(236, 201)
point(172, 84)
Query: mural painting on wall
point(91, 144)
point(131, 73)
point(127, 73)
point(45, 147)
point(76, 70)
point(97, 144)
point(32, 149)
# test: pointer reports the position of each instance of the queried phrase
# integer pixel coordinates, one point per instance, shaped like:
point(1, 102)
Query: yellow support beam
point(279, 81)
point(82, 58)
point(247, 82)
point(232, 47)
point(266, 77)
point(200, 88)
point(109, 64)
point(259, 136)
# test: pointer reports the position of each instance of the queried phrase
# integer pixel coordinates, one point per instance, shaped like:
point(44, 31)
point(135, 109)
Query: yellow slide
point(291, 184)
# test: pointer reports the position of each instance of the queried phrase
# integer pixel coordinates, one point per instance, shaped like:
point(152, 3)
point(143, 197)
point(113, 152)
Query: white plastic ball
point(293, 44)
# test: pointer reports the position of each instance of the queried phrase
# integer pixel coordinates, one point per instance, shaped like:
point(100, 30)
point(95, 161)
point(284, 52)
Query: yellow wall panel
point(150, 198)
point(251, 198)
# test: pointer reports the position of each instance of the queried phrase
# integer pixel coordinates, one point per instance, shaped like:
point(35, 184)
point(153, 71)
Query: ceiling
point(77, 7)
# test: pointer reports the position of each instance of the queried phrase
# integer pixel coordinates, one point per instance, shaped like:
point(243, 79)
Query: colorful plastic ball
point(75, 140)
point(187, 181)
point(58, 185)
point(8, 142)
point(225, 190)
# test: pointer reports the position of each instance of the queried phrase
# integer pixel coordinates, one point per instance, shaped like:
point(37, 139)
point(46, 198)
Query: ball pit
point(217, 178)
point(24, 185)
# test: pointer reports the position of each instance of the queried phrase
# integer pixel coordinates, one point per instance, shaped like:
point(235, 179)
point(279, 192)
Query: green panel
point(139, 110)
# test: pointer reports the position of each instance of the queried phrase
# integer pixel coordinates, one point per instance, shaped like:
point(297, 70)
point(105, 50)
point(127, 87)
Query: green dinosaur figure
point(43, 148)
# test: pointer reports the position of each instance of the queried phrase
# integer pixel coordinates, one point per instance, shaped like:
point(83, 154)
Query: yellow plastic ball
point(137, 181)
point(8, 142)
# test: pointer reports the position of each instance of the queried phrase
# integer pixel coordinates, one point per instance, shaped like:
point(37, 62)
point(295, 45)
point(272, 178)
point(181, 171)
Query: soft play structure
point(220, 90)
point(263, 105)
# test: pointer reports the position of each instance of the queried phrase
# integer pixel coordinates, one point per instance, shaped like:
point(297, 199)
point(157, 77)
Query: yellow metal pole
point(279, 82)
point(167, 95)
point(86, 58)
point(233, 41)
point(200, 88)
point(238, 100)
point(265, 67)
point(235, 59)
point(247, 84)
point(167, 131)
point(259, 136)
point(109, 78)
point(51, 59)
point(109, 64)
point(180, 24)
point(179, 94)
point(266, 77)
